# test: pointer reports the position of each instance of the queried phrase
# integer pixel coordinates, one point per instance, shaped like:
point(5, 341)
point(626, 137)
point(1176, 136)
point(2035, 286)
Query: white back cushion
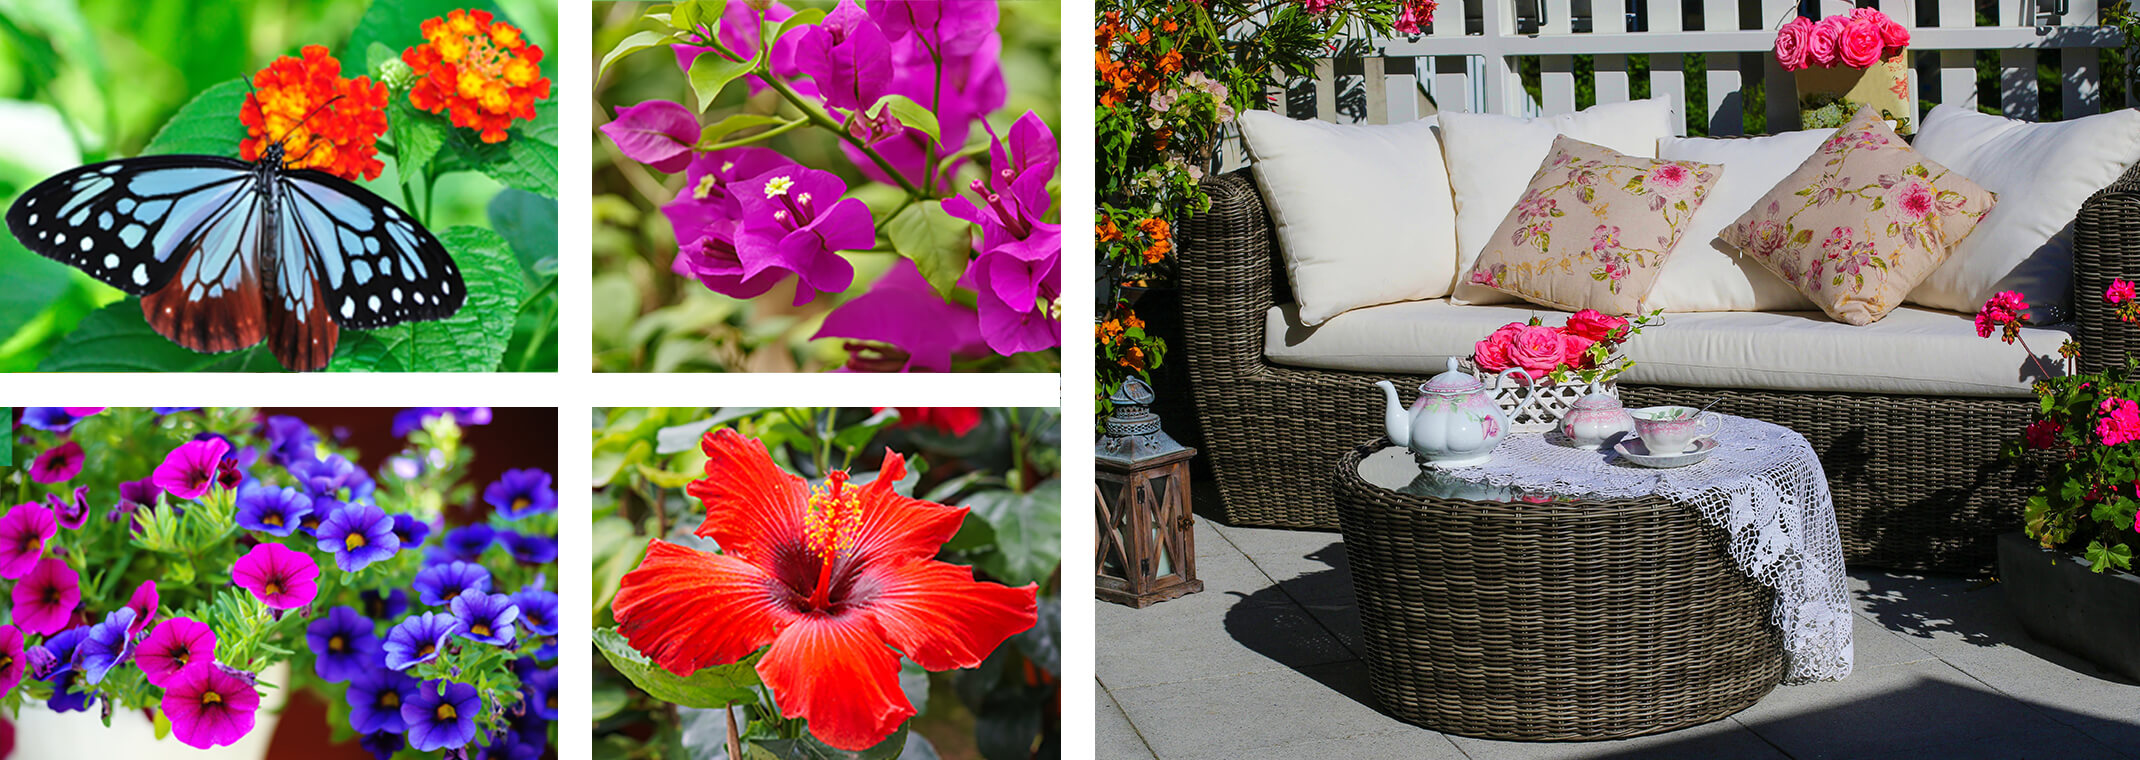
point(1492, 159)
point(1363, 212)
point(1707, 274)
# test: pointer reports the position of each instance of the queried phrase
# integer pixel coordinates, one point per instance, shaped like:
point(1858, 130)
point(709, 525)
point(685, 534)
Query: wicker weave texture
point(1564, 621)
point(1917, 481)
point(2106, 245)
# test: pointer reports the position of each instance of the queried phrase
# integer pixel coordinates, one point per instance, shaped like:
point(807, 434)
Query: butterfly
point(226, 253)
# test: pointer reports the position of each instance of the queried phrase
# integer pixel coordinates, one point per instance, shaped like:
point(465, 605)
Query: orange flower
point(1158, 252)
point(1109, 331)
point(1157, 228)
point(1107, 230)
point(321, 120)
point(1132, 322)
point(1160, 138)
point(1171, 62)
point(1169, 25)
point(481, 71)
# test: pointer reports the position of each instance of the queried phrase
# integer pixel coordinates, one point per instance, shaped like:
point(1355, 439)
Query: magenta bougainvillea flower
point(282, 578)
point(57, 464)
point(11, 661)
point(1018, 273)
point(23, 533)
point(189, 470)
point(794, 220)
point(172, 646)
point(144, 603)
point(209, 707)
point(740, 31)
point(657, 133)
point(848, 57)
point(71, 515)
point(903, 311)
point(708, 198)
point(45, 599)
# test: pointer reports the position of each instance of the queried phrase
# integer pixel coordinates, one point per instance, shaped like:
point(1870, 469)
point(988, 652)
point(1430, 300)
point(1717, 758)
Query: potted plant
point(1843, 62)
point(2070, 577)
point(185, 569)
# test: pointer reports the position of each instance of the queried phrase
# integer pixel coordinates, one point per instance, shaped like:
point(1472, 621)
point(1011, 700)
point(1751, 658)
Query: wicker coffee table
point(1512, 616)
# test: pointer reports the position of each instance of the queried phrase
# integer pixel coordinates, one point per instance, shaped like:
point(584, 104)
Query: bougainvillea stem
point(817, 115)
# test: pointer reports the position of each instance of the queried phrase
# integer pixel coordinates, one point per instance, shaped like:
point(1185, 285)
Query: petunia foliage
point(799, 578)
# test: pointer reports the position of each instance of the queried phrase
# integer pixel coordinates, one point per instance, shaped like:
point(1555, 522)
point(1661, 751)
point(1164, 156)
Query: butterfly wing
point(128, 222)
point(374, 264)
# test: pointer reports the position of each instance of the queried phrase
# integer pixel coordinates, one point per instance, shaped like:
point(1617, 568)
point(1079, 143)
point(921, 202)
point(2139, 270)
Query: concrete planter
point(2095, 616)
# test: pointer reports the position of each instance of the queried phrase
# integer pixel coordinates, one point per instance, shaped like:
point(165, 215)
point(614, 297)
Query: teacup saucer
point(1635, 451)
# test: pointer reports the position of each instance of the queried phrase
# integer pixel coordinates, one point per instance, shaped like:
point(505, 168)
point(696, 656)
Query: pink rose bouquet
point(1582, 349)
point(1859, 40)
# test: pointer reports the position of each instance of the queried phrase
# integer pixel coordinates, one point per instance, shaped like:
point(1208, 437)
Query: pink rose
point(1578, 348)
point(1538, 350)
point(1791, 43)
point(1895, 35)
point(1491, 354)
point(1591, 324)
point(1861, 43)
point(1827, 34)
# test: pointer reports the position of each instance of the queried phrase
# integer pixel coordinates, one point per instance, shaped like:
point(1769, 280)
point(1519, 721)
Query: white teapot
point(1454, 422)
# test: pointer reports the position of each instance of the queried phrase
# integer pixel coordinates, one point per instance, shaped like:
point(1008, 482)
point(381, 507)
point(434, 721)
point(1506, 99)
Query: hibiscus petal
point(896, 529)
point(687, 609)
point(941, 617)
point(836, 672)
point(753, 509)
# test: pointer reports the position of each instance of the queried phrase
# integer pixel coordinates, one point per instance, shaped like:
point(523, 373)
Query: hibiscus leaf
point(809, 748)
point(713, 687)
point(909, 113)
point(937, 242)
point(711, 73)
point(1027, 547)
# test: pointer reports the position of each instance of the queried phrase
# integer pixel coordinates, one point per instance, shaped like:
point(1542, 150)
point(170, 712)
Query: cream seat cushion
point(1913, 351)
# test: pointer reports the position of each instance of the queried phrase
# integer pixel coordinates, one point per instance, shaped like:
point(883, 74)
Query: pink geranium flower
point(209, 707)
point(57, 464)
point(2006, 308)
point(174, 645)
point(189, 470)
point(45, 599)
point(282, 579)
point(2119, 291)
point(2041, 434)
point(2120, 422)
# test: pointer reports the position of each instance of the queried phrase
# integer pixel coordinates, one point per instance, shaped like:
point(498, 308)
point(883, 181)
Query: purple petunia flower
point(322, 508)
point(384, 605)
point(209, 707)
point(383, 745)
point(173, 645)
point(794, 220)
point(272, 510)
point(375, 697)
point(519, 493)
point(468, 542)
point(417, 639)
point(344, 645)
point(529, 549)
point(538, 611)
point(144, 603)
point(23, 533)
point(437, 585)
point(441, 715)
point(327, 477)
point(902, 310)
point(46, 597)
point(487, 618)
point(542, 692)
point(410, 531)
point(133, 495)
point(848, 56)
point(109, 645)
point(57, 464)
point(12, 663)
point(289, 440)
point(407, 421)
point(658, 133)
point(189, 470)
point(358, 535)
point(71, 515)
point(50, 419)
point(69, 692)
point(282, 578)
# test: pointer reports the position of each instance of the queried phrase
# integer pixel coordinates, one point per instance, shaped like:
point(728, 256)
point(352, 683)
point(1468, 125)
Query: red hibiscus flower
point(839, 579)
point(956, 420)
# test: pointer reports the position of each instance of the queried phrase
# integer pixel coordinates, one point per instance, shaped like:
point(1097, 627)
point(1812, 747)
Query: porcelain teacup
point(1666, 430)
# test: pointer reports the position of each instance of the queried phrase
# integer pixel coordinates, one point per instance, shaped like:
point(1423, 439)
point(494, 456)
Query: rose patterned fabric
point(1861, 222)
point(1594, 228)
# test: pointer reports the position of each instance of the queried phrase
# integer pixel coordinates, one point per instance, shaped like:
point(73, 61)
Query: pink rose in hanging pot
point(1861, 43)
point(1822, 44)
point(1791, 42)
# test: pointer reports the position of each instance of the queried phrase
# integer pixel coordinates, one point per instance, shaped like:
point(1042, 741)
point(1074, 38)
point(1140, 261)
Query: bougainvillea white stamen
point(778, 186)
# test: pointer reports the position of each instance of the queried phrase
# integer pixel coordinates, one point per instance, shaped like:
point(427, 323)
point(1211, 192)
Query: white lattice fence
point(1474, 58)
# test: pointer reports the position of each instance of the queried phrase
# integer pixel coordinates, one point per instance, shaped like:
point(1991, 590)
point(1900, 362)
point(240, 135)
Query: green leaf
point(474, 338)
point(616, 552)
point(936, 241)
point(909, 113)
point(207, 125)
point(117, 339)
point(633, 44)
point(801, 17)
point(711, 73)
point(398, 24)
point(689, 15)
point(714, 687)
point(809, 748)
point(712, 135)
point(528, 222)
point(679, 438)
point(1028, 545)
point(526, 160)
point(33, 283)
point(417, 138)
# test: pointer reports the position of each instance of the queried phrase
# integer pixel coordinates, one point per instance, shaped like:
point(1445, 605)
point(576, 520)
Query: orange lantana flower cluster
point(480, 71)
point(322, 120)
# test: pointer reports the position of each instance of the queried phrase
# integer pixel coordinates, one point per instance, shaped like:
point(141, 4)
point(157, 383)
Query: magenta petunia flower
point(904, 311)
point(172, 646)
point(794, 220)
point(657, 133)
point(45, 599)
point(85, 411)
point(71, 515)
point(848, 56)
point(144, 603)
point(23, 533)
point(11, 658)
point(189, 470)
point(209, 707)
point(57, 464)
point(282, 578)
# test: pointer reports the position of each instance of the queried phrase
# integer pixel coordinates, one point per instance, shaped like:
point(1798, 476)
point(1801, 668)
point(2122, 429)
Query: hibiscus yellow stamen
point(830, 522)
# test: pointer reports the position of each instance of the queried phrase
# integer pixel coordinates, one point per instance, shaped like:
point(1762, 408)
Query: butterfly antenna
point(308, 117)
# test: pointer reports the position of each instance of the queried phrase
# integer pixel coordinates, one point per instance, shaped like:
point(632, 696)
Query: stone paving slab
point(1265, 664)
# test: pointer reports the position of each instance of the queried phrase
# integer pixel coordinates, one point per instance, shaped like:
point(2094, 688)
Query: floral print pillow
point(1861, 222)
point(1593, 229)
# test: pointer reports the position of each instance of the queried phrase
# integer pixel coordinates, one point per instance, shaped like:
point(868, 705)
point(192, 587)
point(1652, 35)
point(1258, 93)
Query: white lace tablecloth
point(1763, 485)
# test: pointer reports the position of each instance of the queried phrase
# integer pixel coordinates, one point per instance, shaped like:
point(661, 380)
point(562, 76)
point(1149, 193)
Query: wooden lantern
point(1147, 533)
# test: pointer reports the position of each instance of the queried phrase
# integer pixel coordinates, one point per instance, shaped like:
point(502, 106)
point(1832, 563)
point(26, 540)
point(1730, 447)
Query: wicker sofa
point(1917, 480)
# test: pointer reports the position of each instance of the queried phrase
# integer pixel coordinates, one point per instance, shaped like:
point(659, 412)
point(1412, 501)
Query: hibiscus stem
point(735, 741)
